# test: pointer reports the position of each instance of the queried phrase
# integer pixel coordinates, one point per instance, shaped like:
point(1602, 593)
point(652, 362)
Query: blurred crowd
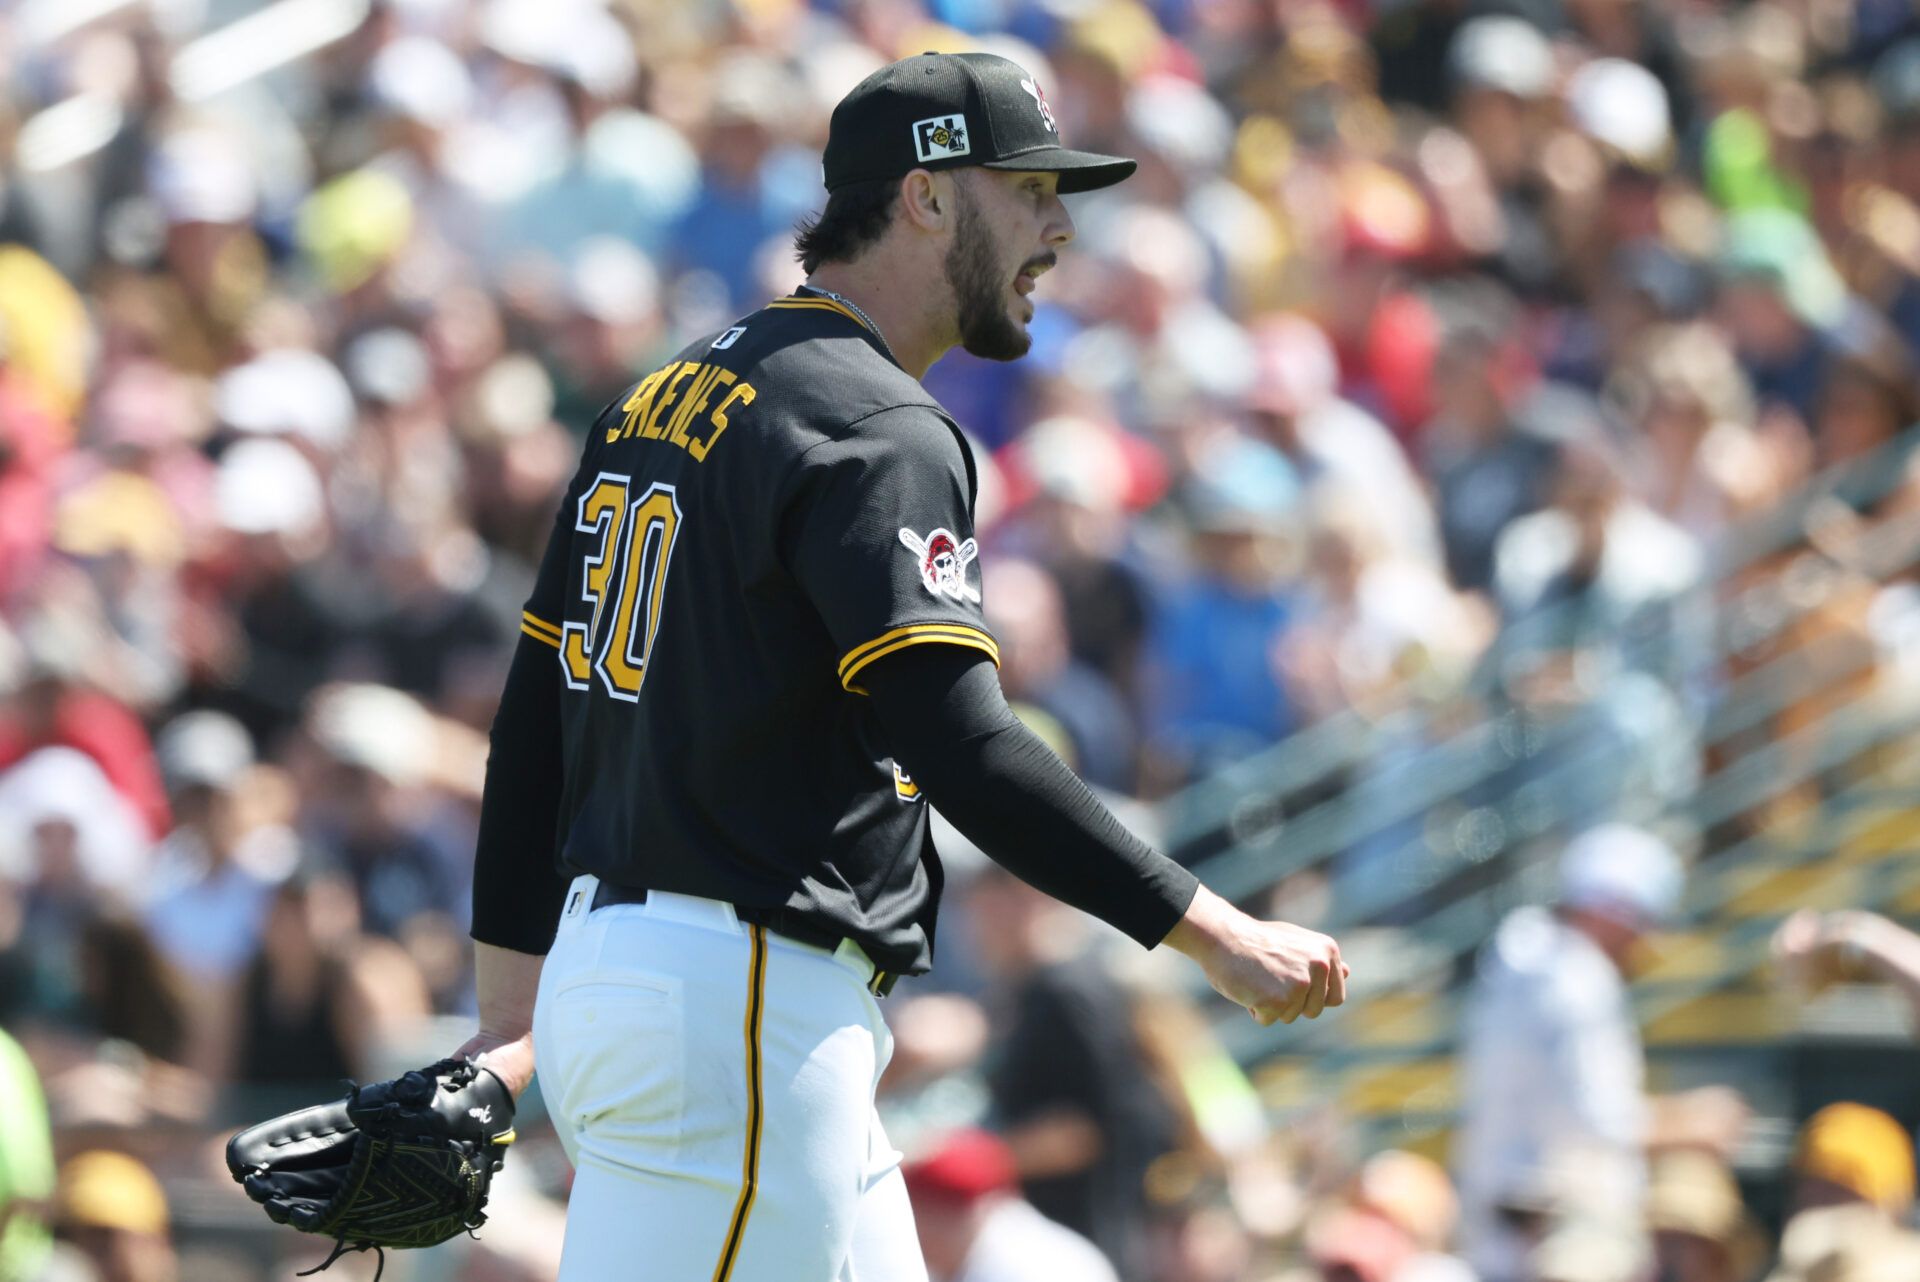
point(1445, 362)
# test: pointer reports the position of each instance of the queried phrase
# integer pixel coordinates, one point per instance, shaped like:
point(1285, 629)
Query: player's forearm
point(1206, 928)
point(1006, 790)
point(1037, 819)
point(517, 890)
point(506, 982)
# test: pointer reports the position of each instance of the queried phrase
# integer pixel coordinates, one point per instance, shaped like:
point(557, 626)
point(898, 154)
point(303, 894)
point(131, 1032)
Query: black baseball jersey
point(751, 526)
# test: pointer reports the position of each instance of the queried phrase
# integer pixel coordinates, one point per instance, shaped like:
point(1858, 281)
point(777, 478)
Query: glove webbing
point(462, 1077)
point(340, 1246)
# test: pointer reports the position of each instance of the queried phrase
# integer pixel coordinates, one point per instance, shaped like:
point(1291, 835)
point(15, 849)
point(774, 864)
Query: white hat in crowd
point(289, 391)
point(203, 749)
point(267, 487)
point(1624, 872)
point(1504, 54)
point(202, 176)
point(1622, 105)
point(421, 79)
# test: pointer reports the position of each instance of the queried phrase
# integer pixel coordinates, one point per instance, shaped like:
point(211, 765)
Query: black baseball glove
point(395, 1164)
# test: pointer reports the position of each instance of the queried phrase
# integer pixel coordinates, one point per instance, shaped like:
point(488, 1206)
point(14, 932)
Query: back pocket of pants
point(619, 1050)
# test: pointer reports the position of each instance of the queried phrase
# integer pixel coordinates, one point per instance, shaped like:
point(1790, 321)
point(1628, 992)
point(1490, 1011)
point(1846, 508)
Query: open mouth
point(1024, 282)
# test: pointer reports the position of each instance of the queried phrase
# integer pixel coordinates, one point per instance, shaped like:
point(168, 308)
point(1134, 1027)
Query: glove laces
point(340, 1248)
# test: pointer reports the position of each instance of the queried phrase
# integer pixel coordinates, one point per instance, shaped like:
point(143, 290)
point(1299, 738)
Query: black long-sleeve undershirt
point(517, 887)
point(948, 724)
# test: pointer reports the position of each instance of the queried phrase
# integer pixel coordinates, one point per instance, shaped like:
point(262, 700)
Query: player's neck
point(916, 338)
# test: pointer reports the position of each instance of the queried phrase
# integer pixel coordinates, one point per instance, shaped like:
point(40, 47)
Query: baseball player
point(754, 653)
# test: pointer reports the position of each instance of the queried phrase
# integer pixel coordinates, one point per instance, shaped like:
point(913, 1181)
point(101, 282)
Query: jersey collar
point(804, 298)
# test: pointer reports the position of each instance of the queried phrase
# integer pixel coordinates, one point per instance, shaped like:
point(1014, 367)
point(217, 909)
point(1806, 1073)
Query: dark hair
point(856, 216)
point(133, 991)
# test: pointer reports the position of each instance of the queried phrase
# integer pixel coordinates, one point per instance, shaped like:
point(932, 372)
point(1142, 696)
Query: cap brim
point(1078, 170)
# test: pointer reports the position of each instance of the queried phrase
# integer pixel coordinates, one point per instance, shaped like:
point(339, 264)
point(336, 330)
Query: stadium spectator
point(1413, 1193)
point(214, 873)
point(112, 1209)
point(1846, 1244)
point(377, 751)
point(1376, 625)
point(1487, 468)
point(1556, 1117)
point(1086, 477)
point(974, 1226)
point(54, 706)
point(1070, 1086)
point(1037, 668)
point(1517, 399)
point(751, 188)
point(129, 992)
point(1199, 1238)
point(1778, 298)
point(1702, 464)
point(1218, 689)
point(1348, 1244)
point(1332, 443)
point(1866, 397)
point(1852, 1154)
point(321, 1001)
point(26, 1166)
point(30, 442)
point(1592, 568)
point(1702, 1231)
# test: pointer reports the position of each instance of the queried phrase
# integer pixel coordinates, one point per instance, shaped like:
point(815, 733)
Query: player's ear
point(927, 200)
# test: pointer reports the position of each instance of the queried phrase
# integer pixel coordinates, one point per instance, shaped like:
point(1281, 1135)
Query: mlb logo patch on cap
point(941, 137)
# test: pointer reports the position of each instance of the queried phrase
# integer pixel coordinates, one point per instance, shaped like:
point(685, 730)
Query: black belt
point(768, 918)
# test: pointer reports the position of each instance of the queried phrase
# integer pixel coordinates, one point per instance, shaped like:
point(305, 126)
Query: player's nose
point(1060, 227)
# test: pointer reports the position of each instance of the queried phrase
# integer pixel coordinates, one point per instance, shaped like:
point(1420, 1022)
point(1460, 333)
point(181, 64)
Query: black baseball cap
point(948, 110)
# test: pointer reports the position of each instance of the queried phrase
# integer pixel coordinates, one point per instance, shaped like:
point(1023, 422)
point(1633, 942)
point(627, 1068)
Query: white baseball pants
point(713, 1085)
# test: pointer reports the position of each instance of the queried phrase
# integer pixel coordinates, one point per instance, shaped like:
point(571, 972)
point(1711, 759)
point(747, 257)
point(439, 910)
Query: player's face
point(1006, 232)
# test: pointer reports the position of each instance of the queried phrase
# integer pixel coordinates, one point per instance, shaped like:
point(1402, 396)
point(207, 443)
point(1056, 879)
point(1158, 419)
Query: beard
point(980, 291)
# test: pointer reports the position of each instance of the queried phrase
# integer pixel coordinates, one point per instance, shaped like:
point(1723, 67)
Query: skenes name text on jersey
point(672, 401)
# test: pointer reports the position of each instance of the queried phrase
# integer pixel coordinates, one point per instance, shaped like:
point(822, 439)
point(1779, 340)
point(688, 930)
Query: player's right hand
point(1276, 970)
point(1280, 971)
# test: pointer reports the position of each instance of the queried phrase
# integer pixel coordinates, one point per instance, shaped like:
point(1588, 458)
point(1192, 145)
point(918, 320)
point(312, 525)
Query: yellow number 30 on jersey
point(626, 581)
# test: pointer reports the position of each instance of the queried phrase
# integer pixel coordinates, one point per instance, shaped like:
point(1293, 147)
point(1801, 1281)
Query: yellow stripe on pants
point(750, 1164)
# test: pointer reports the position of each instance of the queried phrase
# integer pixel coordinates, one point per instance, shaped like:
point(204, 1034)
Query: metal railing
point(1464, 822)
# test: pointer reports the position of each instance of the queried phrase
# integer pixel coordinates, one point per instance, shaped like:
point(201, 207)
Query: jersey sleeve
point(881, 539)
point(517, 886)
point(540, 618)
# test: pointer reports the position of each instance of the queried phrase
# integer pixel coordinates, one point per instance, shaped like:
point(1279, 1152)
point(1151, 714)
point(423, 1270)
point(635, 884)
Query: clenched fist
point(1277, 971)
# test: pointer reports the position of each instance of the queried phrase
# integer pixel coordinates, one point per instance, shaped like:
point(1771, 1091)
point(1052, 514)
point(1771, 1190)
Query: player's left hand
point(402, 1163)
point(509, 1058)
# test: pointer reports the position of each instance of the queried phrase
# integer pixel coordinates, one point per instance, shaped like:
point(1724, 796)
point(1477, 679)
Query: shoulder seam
point(840, 433)
point(928, 404)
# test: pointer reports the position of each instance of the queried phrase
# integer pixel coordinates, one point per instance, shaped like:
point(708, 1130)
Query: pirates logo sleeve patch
point(943, 563)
